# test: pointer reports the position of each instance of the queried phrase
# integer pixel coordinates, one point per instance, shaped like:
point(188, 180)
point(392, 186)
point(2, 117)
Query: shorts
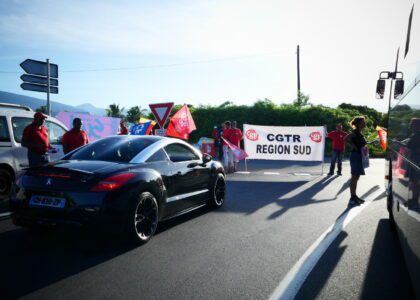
point(356, 164)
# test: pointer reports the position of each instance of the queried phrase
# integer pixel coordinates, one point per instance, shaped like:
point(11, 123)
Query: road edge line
point(290, 285)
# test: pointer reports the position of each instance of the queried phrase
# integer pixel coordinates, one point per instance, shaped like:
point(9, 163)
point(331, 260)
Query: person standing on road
point(236, 140)
point(75, 137)
point(35, 138)
point(123, 128)
point(337, 137)
point(357, 142)
point(216, 137)
point(228, 153)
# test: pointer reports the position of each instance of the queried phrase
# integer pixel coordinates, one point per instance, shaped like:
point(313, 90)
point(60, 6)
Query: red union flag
point(238, 153)
point(181, 124)
point(382, 136)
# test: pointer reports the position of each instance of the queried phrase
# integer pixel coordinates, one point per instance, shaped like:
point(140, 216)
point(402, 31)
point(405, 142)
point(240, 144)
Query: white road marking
point(271, 173)
point(242, 172)
point(292, 282)
point(302, 174)
point(2, 215)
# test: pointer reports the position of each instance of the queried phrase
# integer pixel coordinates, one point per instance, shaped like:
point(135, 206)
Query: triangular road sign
point(161, 112)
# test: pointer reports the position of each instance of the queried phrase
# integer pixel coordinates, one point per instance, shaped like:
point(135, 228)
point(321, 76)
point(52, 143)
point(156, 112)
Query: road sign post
point(38, 78)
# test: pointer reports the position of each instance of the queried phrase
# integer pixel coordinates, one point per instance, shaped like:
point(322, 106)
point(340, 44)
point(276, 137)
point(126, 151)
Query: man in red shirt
point(123, 128)
point(338, 145)
point(235, 138)
point(75, 137)
point(228, 153)
point(35, 138)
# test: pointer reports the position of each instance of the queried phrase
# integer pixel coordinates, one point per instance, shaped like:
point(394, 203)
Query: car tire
point(6, 184)
point(218, 192)
point(142, 218)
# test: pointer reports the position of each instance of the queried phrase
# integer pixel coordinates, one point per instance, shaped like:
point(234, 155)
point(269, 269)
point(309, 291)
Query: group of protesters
point(35, 139)
point(226, 137)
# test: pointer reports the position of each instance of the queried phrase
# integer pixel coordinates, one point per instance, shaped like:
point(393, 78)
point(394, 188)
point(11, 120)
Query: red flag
point(238, 153)
point(382, 136)
point(181, 124)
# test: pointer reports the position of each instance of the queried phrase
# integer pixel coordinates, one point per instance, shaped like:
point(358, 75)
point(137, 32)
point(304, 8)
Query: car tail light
point(112, 183)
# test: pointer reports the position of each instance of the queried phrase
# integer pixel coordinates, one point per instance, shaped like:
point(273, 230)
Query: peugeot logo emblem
point(49, 180)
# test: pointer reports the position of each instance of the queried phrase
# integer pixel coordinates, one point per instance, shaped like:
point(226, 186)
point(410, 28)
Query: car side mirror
point(206, 158)
point(380, 89)
point(399, 88)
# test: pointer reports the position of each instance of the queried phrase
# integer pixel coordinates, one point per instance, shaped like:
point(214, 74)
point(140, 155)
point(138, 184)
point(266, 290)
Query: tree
point(42, 109)
point(114, 111)
point(134, 114)
point(302, 100)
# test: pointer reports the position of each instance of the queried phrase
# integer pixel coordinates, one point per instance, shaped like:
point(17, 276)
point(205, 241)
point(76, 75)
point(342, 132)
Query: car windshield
point(114, 149)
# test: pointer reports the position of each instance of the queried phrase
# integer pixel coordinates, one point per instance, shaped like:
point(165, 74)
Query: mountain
point(56, 107)
point(93, 110)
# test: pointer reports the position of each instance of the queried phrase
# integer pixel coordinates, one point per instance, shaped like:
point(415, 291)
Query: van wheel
point(6, 184)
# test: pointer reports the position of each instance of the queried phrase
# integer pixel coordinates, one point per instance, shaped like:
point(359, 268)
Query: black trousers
point(337, 156)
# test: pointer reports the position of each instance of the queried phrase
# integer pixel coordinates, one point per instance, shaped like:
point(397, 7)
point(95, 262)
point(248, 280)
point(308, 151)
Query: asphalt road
point(243, 251)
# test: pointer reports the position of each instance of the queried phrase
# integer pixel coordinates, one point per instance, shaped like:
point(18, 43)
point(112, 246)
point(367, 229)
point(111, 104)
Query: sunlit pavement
point(242, 251)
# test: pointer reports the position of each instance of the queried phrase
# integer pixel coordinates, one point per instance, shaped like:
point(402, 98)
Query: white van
point(13, 157)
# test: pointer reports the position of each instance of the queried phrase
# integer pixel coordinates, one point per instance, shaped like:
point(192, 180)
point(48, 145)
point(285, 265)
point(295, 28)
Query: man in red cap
point(123, 128)
point(75, 137)
point(338, 145)
point(35, 138)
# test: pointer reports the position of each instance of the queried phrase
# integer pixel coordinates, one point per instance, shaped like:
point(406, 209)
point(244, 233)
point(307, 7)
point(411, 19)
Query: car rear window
point(114, 149)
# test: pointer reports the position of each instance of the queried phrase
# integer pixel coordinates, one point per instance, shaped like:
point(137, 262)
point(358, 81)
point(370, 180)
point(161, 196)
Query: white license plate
point(47, 201)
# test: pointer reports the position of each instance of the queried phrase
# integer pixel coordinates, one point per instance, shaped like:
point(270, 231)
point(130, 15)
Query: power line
point(156, 66)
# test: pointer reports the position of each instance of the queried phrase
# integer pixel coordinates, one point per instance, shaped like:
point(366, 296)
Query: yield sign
point(161, 112)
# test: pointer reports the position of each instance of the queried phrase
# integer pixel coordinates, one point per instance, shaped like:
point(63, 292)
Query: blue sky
point(203, 52)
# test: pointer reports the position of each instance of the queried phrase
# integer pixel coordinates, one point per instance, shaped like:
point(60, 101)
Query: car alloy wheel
point(219, 191)
point(146, 216)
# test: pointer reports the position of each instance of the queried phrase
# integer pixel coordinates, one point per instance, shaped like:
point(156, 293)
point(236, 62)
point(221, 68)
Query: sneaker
point(330, 174)
point(339, 173)
point(361, 201)
point(353, 201)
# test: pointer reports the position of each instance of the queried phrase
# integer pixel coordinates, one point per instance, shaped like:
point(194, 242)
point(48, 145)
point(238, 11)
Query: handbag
point(365, 157)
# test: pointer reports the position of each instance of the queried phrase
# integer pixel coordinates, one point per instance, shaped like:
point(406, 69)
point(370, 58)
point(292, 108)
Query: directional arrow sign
point(38, 88)
point(37, 67)
point(161, 112)
point(38, 79)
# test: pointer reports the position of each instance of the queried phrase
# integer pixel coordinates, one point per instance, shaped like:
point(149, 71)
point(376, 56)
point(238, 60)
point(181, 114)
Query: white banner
point(284, 143)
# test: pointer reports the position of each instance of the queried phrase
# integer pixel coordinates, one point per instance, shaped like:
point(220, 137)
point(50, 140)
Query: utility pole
point(48, 88)
point(298, 71)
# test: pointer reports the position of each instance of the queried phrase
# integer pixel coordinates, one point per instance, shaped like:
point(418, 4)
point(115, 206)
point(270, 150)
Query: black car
point(128, 183)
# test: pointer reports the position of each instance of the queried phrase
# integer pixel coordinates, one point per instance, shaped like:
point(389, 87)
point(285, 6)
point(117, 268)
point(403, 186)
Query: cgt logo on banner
point(284, 143)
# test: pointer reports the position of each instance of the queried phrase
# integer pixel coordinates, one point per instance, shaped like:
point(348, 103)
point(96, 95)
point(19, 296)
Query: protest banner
point(284, 143)
point(95, 126)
